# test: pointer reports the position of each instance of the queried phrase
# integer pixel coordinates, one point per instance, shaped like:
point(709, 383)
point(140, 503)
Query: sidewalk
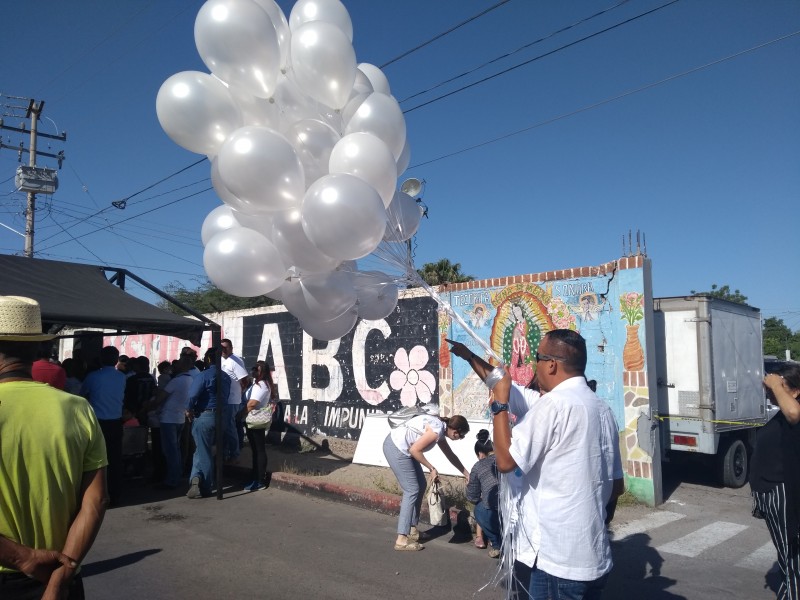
point(323, 468)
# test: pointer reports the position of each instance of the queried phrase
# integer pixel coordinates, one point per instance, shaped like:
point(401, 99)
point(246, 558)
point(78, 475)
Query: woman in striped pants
point(775, 475)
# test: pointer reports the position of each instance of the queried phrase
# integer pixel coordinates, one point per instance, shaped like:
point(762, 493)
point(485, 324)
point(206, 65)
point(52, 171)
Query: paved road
point(701, 544)
point(272, 544)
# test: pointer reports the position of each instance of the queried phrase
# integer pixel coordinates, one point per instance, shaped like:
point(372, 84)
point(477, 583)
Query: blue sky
point(706, 163)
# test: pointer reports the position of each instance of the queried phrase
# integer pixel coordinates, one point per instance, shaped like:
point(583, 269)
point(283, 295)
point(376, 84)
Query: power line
point(133, 217)
point(125, 200)
point(606, 101)
point(520, 49)
point(535, 58)
point(444, 33)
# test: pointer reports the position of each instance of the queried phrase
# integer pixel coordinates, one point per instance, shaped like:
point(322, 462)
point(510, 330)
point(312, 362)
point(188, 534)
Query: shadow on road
point(103, 566)
point(637, 571)
point(679, 471)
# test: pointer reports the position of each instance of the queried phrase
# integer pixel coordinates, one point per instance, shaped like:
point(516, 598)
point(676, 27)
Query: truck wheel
point(733, 456)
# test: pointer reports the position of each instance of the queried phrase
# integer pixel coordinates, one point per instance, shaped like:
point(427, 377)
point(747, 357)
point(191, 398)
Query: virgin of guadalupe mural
point(520, 323)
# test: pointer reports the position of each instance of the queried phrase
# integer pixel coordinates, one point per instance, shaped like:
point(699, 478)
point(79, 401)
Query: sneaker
point(494, 553)
point(255, 486)
point(194, 488)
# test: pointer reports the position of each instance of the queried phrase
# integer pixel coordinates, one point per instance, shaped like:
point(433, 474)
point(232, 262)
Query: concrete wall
point(330, 387)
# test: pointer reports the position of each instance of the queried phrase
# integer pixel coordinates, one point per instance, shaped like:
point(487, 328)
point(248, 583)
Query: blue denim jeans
point(544, 586)
point(489, 520)
point(203, 429)
point(171, 448)
point(412, 481)
point(230, 437)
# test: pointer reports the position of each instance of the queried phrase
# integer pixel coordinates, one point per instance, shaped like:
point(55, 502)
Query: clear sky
point(683, 124)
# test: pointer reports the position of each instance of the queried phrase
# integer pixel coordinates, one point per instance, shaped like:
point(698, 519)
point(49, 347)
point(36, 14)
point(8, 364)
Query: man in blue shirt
point(105, 391)
point(201, 410)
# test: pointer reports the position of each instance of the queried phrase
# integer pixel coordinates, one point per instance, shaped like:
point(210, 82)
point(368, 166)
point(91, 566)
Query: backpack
point(404, 415)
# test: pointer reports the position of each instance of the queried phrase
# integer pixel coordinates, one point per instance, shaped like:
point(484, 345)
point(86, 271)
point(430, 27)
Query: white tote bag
point(436, 507)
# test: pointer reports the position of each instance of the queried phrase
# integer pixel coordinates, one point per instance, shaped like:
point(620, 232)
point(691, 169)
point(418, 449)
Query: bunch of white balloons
point(306, 146)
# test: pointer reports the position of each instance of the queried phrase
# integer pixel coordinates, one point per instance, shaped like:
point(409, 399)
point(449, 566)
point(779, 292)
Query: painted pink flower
point(410, 378)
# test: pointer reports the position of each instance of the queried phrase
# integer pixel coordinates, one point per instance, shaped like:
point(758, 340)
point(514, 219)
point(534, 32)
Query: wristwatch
point(498, 407)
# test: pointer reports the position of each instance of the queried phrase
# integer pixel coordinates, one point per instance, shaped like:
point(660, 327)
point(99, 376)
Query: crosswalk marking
point(704, 538)
point(760, 560)
point(657, 519)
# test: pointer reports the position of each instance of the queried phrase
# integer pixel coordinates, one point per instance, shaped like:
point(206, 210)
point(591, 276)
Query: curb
point(388, 504)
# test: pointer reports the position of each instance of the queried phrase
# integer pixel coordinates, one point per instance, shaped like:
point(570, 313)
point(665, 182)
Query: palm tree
point(443, 271)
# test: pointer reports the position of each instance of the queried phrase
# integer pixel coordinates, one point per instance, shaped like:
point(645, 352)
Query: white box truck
point(710, 369)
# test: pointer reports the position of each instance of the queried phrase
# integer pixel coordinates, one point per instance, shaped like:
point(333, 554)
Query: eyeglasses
point(548, 357)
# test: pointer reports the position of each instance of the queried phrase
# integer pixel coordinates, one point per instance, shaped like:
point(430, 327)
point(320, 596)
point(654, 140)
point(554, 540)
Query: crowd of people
point(175, 404)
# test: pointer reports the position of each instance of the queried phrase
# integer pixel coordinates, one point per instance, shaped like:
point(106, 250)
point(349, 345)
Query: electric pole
point(31, 179)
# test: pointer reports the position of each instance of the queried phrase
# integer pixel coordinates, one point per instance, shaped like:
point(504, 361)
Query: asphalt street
point(701, 544)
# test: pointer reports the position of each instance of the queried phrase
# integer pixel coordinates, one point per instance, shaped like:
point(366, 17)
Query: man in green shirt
point(52, 458)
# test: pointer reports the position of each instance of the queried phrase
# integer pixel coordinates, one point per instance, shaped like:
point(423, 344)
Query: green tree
point(778, 338)
point(208, 298)
point(443, 271)
point(723, 292)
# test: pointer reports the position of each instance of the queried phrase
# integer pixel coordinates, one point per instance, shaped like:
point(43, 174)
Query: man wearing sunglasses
point(565, 451)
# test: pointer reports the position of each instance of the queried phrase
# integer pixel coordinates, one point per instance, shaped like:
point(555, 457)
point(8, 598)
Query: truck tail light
point(684, 440)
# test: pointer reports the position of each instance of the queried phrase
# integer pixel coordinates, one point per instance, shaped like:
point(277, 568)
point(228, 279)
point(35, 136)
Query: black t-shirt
point(766, 464)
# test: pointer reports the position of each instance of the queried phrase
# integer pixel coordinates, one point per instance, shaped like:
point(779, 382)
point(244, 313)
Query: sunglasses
point(540, 357)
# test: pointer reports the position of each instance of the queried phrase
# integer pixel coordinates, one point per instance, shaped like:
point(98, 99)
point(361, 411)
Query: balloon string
point(457, 318)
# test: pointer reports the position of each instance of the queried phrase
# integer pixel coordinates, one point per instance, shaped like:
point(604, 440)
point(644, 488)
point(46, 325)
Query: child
point(482, 489)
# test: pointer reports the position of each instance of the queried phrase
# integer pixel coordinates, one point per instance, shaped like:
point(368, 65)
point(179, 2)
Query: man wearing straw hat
point(53, 458)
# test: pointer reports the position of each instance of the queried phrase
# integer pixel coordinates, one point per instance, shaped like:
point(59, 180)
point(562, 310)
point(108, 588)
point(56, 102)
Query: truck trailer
point(710, 370)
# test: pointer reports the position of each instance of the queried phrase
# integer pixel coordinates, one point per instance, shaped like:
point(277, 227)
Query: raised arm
point(502, 429)
point(480, 366)
point(785, 397)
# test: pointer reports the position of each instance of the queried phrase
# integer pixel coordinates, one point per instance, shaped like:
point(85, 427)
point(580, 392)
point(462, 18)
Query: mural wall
point(329, 387)
point(605, 304)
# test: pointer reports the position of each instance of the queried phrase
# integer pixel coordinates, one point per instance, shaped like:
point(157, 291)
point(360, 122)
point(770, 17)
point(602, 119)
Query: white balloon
point(243, 262)
point(362, 84)
point(321, 296)
point(281, 26)
point(381, 116)
point(323, 62)
point(238, 43)
point(313, 141)
point(344, 216)
point(405, 158)
point(333, 329)
point(376, 78)
point(219, 219)
point(377, 294)
point(296, 249)
point(403, 217)
point(260, 167)
point(353, 103)
point(262, 223)
point(255, 110)
point(197, 111)
point(330, 11)
point(224, 193)
point(368, 158)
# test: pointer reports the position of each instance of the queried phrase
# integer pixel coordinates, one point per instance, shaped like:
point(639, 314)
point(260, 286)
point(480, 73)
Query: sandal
point(479, 543)
point(420, 536)
point(409, 547)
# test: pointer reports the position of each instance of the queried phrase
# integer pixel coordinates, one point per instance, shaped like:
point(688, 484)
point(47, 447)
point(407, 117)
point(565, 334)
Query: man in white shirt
point(566, 451)
point(233, 367)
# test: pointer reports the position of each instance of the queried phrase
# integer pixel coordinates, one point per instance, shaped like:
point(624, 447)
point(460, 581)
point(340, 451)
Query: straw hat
point(21, 320)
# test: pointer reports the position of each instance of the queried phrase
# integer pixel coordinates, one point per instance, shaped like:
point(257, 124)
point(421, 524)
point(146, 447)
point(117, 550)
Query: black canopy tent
point(74, 295)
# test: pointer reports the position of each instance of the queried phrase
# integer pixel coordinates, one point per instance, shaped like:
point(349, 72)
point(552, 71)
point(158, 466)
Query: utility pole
point(31, 179)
